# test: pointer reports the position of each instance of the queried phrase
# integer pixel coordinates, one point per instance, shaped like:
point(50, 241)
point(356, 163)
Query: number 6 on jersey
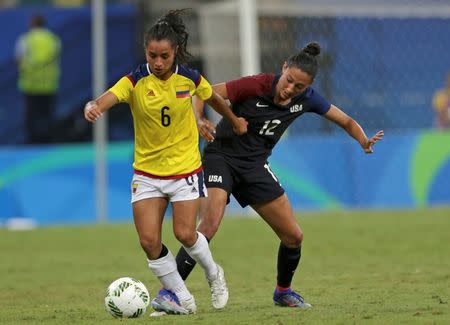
point(165, 118)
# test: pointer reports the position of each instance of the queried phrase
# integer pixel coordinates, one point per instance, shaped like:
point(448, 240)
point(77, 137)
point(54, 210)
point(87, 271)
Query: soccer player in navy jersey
point(238, 164)
point(167, 163)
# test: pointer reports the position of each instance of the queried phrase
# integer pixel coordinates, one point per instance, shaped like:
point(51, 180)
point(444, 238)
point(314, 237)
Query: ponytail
point(172, 28)
point(306, 59)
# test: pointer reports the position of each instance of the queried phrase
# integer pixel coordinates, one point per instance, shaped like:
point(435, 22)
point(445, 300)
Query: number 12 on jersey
point(269, 126)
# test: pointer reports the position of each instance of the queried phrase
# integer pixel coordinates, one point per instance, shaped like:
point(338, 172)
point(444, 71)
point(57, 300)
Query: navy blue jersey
point(252, 98)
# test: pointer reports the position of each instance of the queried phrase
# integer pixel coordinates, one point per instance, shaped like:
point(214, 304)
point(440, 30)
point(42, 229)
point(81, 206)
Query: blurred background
point(385, 63)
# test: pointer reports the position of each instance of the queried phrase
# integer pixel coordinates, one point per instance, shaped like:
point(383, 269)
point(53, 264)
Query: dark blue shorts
point(249, 184)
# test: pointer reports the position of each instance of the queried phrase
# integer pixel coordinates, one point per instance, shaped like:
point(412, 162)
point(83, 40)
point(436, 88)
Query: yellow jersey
point(165, 130)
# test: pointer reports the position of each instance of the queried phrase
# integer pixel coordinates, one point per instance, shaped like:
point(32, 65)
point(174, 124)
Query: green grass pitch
point(359, 267)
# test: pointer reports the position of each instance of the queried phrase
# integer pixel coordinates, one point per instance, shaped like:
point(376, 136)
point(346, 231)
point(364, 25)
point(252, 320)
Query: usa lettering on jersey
point(215, 179)
point(296, 108)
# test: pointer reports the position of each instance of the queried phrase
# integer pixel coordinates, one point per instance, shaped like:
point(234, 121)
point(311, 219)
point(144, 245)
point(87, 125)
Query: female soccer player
point(167, 163)
point(238, 164)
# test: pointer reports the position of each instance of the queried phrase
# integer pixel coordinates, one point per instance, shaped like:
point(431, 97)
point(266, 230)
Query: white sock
point(201, 253)
point(165, 269)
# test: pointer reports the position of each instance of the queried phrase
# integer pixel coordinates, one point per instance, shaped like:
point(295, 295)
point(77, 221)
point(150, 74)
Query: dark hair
point(37, 20)
point(171, 27)
point(306, 59)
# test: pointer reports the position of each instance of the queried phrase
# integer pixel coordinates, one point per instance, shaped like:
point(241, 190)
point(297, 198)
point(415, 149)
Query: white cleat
point(158, 314)
point(219, 290)
point(189, 305)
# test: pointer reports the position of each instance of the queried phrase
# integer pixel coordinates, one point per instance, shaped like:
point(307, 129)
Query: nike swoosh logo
point(258, 104)
point(187, 263)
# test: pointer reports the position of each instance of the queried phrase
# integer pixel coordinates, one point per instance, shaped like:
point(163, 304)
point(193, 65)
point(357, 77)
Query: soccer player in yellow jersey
point(167, 164)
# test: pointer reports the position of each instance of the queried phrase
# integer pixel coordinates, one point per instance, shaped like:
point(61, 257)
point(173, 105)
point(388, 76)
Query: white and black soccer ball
point(127, 298)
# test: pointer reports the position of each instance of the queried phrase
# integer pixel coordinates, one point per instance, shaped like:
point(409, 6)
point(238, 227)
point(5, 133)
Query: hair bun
point(312, 48)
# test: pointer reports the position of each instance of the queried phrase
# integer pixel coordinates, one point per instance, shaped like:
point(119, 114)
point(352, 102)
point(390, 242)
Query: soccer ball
point(127, 298)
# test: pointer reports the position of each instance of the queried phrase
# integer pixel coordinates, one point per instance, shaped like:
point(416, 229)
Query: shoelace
point(217, 285)
point(298, 297)
point(291, 295)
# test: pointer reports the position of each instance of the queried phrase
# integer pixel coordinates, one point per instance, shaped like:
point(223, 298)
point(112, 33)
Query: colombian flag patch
point(182, 91)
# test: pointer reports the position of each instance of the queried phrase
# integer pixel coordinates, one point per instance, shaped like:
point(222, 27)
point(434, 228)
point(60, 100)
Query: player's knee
point(150, 245)
point(186, 237)
point(299, 238)
point(208, 227)
point(294, 239)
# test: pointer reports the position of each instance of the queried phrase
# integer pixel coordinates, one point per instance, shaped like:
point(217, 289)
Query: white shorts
point(181, 189)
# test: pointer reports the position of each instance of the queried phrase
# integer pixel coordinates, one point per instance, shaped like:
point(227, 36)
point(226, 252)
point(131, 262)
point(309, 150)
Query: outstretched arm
point(353, 128)
point(95, 108)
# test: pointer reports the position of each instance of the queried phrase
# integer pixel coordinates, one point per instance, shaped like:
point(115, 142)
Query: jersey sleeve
point(319, 104)
point(20, 48)
point(203, 89)
point(246, 87)
point(122, 89)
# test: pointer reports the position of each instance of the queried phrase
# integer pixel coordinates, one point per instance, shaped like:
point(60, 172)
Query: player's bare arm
point(221, 89)
point(95, 108)
point(206, 128)
point(218, 104)
point(353, 128)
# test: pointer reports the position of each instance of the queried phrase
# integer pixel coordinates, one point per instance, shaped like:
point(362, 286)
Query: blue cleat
point(289, 299)
point(167, 303)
